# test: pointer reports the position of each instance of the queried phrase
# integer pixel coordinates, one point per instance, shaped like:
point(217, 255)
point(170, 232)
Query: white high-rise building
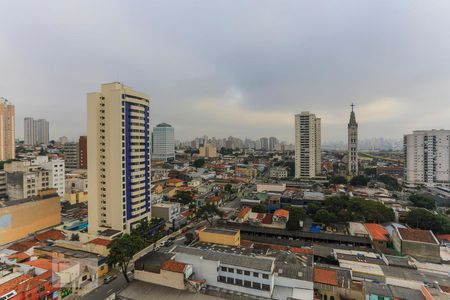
point(119, 158)
point(36, 132)
point(352, 145)
point(163, 142)
point(427, 158)
point(307, 145)
point(273, 143)
point(57, 174)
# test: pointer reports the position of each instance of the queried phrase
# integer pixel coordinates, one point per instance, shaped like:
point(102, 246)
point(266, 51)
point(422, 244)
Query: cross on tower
point(352, 105)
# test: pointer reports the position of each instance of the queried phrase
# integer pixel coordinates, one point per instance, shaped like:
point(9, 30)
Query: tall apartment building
point(352, 145)
point(119, 159)
point(57, 174)
point(82, 152)
point(307, 145)
point(163, 142)
point(427, 158)
point(36, 132)
point(208, 150)
point(7, 130)
point(273, 143)
point(264, 143)
point(71, 155)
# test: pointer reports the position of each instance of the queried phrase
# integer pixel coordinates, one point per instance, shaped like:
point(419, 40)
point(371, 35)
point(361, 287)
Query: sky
point(241, 68)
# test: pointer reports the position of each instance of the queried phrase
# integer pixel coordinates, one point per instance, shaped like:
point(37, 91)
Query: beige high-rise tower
point(308, 161)
point(7, 130)
point(119, 159)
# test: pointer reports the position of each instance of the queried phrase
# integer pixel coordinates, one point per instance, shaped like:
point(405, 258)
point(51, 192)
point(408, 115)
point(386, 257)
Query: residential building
point(82, 152)
point(264, 143)
point(71, 155)
point(163, 142)
point(168, 211)
point(228, 237)
point(24, 180)
point(418, 243)
point(273, 143)
point(307, 145)
point(20, 218)
point(119, 160)
point(278, 172)
point(36, 132)
point(57, 174)
point(427, 158)
point(7, 130)
point(208, 150)
point(3, 185)
point(352, 145)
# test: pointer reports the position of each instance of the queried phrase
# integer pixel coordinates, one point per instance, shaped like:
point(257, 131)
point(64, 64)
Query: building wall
point(18, 221)
point(56, 168)
point(119, 160)
point(163, 142)
point(76, 197)
point(221, 239)
point(7, 130)
point(429, 252)
point(164, 278)
point(71, 155)
point(82, 152)
point(36, 132)
point(307, 145)
point(166, 211)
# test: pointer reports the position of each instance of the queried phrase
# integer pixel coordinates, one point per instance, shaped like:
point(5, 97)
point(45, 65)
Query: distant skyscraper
point(307, 145)
point(352, 145)
point(7, 130)
point(82, 152)
point(163, 142)
point(71, 156)
point(119, 160)
point(36, 132)
point(427, 158)
point(273, 143)
point(264, 143)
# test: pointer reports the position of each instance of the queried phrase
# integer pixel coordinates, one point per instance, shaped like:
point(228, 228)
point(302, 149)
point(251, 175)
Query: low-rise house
point(421, 244)
point(281, 216)
point(229, 237)
point(379, 235)
point(244, 214)
point(168, 211)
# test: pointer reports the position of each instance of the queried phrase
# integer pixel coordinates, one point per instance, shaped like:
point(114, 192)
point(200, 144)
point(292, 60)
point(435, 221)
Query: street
point(105, 290)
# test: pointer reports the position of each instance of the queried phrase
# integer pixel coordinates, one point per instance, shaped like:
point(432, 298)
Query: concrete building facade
point(119, 157)
point(36, 132)
point(352, 145)
point(208, 151)
point(7, 130)
point(427, 158)
point(82, 152)
point(71, 155)
point(307, 145)
point(163, 142)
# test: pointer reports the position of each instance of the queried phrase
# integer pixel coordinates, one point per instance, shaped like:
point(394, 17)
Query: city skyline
point(317, 62)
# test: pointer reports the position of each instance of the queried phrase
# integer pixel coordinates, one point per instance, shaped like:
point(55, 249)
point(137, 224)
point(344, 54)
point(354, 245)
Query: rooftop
point(417, 235)
point(325, 276)
point(100, 241)
point(173, 266)
point(222, 231)
point(256, 263)
point(377, 232)
point(281, 213)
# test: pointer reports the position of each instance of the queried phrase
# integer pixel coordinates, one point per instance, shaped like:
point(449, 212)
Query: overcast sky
point(241, 68)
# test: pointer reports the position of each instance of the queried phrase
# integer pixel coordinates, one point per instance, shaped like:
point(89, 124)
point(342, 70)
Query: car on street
point(109, 278)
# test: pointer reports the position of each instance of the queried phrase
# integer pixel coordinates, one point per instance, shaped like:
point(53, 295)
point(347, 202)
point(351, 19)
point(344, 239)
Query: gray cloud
point(233, 67)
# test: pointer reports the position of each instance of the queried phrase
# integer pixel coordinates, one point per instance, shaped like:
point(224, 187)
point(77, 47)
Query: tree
point(189, 237)
point(122, 250)
point(75, 237)
point(295, 215)
point(259, 208)
point(185, 197)
point(424, 219)
point(338, 180)
point(370, 172)
point(312, 208)
point(422, 201)
point(208, 212)
point(198, 163)
point(228, 188)
point(390, 182)
point(359, 180)
point(325, 217)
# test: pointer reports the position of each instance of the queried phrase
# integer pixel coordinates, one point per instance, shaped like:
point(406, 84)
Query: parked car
point(109, 278)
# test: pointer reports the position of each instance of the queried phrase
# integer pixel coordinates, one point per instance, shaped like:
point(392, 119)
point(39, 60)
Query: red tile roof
point(23, 246)
point(260, 216)
point(443, 237)
point(173, 266)
point(100, 241)
point(51, 235)
point(244, 212)
point(281, 213)
point(268, 219)
point(417, 235)
point(377, 232)
point(41, 263)
point(306, 251)
point(325, 276)
point(19, 257)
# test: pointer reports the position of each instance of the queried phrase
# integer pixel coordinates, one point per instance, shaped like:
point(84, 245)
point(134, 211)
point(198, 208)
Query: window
point(221, 279)
point(255, 274)
point(239, 271)
point(265, 276)
point(247, 283)
point(257, 285)
point(230, 280)
point(230, 270)
point(266, 287)
point(224, 269)
point(247, 273)
point(238, 282)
